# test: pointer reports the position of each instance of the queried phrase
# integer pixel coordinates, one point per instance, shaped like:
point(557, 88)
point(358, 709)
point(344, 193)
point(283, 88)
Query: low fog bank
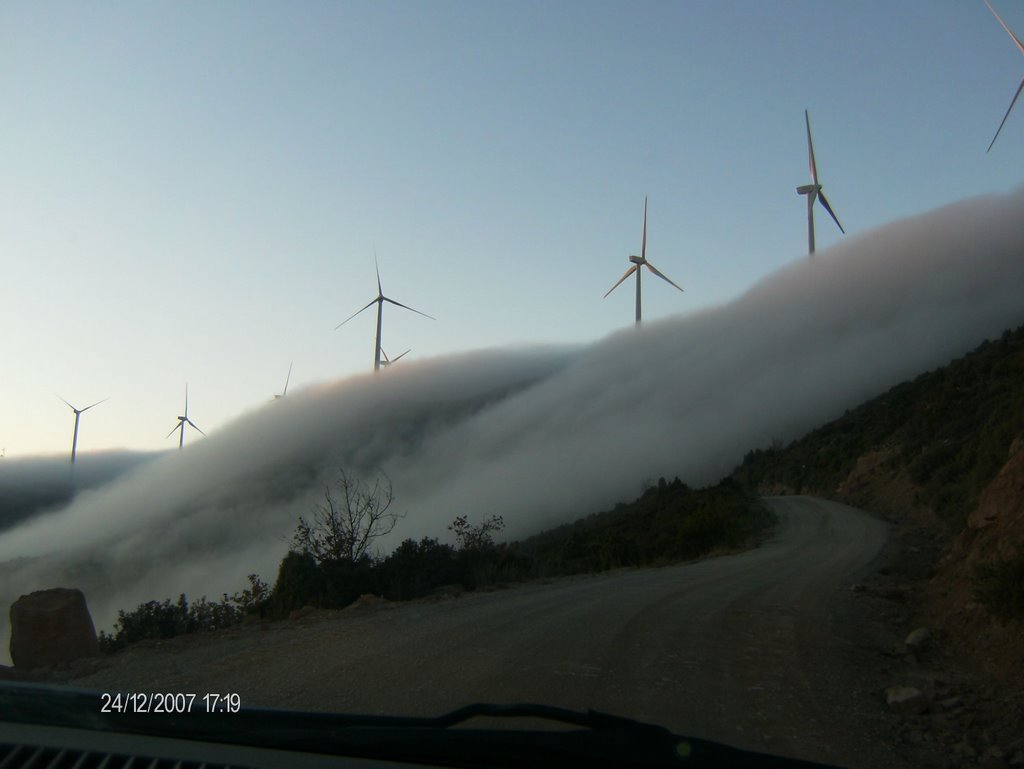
point(541, 436)
point(31, 485)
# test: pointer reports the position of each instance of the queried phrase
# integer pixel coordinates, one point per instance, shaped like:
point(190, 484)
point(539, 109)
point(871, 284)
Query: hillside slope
point(946, 452)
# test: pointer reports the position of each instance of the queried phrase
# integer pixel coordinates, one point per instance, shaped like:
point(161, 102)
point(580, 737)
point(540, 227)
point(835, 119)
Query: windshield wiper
point(599, 739)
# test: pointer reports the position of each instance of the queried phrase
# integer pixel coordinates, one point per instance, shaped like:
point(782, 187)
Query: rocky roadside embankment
point(944, 708)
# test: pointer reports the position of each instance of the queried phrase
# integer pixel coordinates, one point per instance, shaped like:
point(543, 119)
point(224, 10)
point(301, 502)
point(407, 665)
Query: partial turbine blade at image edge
point(824, 202)
point(662, 275)
point(407, 307)
point(629, 272)
point(1009, 31)
point(1015, 96)
point(368, 305)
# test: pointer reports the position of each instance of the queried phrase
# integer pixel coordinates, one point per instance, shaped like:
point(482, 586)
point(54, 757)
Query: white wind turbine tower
point(1020, 88)
point(813, 191)
point(78, 413)
point(638, 262)
point(379, 301)
point(182, 421)
point(287, 379)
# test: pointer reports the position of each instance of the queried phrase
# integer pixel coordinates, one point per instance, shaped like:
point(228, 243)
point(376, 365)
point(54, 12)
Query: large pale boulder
point(51, 627)
point(907, 699)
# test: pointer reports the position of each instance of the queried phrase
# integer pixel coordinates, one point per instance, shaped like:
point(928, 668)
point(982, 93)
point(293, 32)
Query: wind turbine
point(1020, 88)
point(182, 421)
point(379, 301)
point(287, 379)
point(388, 361)
point(78, 413)
point(638, 262)
point(813, 191)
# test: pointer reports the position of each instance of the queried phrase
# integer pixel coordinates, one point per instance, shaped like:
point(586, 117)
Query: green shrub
point(299, 582)
point(252, 600)
point(345, 581)
point(415, 568)
point(1000, 587)
point(155, 620)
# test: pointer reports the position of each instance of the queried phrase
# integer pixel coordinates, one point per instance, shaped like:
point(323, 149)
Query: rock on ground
point(51, 627)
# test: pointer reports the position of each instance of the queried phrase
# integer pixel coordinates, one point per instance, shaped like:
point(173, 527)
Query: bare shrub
point(345, 525)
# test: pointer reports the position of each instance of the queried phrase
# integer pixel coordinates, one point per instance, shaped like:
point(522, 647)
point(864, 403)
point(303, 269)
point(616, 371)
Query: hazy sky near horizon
point(194, 192)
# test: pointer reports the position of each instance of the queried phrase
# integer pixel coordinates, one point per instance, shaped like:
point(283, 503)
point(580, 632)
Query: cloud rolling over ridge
point(544, 435)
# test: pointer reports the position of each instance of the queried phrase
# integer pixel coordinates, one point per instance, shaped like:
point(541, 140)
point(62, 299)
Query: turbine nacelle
point(638, 262)
point(78, 413)
point(813, 191)
point(182, 421)
point(388, 361)
point(379, 301)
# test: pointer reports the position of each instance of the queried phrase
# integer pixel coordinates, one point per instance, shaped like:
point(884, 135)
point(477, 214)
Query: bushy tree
point(478, 536)
point(253, 599)
point(299, 582)
point(476, 552)
point(415, 568)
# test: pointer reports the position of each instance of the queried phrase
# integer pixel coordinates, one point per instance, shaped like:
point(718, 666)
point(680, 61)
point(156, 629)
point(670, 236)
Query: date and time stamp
point(173, 703)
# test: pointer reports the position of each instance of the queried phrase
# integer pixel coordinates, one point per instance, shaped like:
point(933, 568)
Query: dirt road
point(757, 650)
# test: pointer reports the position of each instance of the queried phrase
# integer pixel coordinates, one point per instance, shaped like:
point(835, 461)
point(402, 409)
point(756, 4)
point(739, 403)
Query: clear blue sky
point(194, 191)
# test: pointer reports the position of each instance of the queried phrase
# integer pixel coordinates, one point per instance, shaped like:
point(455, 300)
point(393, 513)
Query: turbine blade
point(643, 244)
point(1019, 89)
point(402, 355)
point(68, 404)
point(193, 424)
point(810, 149)
point(821, 197)
point(97, 403)
point(172, 431)
point(368, 304)
point(376, 266)
point(287, 380)
point(186, 400)
point(386, 358)
point(399, 304)
point(629, 272)
point(661, 275)
point(1009, 31)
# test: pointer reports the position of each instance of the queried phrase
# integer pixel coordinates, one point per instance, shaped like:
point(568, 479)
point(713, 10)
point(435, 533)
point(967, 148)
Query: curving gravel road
point(758, 650)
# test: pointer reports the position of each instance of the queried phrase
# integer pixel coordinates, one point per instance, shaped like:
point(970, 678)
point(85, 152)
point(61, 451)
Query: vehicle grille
point(13, 756)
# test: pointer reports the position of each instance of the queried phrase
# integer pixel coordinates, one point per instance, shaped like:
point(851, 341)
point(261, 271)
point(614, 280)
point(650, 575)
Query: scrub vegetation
point(1000, 587)
point(938, 441)
point(332, 561)
point(948, 430)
